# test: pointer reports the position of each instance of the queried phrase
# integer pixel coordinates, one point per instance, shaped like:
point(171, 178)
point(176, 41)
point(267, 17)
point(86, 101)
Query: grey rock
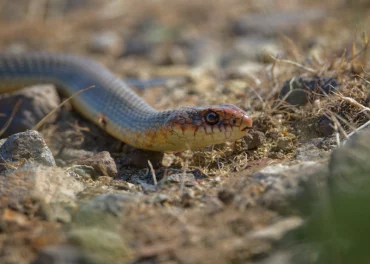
point(311, 152)
point(28, 146)
point(36, 102)
point(60, 254)
point(336, 225)
point(349, 165)
point(50, 190)
point(285, 183)
point(187, 179)
point(146, 186)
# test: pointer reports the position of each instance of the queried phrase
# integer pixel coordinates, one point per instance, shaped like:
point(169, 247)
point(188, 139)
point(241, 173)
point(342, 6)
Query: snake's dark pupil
point(212, 118)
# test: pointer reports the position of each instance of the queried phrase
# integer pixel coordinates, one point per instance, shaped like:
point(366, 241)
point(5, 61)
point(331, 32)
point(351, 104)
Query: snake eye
point(212, 118)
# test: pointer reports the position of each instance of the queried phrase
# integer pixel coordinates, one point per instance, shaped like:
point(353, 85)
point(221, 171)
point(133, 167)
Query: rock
point(147, 188)
point(284, 183)
point(336, 225)
point(350, 167)
point(100, 245)
point(84, 171)
point(48, 192)
point(187, 179)
point(275, 23)
point(304, 89)
point(254, 139)
point(102, 163)
point(105, 211)
point(28, 146)
point(107, 42)
point(37, 102)
point(310, 151)
point(60, 254)
point(72, 154)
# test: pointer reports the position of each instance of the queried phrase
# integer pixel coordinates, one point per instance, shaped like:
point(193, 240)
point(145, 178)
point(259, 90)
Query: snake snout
point(247, 123)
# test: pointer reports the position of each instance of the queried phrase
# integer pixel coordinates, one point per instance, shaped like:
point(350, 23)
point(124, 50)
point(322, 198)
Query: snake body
point(113, 106)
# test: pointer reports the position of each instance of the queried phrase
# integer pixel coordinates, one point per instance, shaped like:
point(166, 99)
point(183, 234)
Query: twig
point(9, 121)
point(153, 173)
point(357, 129)
point(294, 63)
point(39, 124)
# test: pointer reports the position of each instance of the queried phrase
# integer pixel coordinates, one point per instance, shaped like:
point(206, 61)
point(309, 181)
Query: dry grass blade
point(9, 121)
point(42, 122)
point(153, 173)
point(296, 64)
point(358, 129)
point(353, 102)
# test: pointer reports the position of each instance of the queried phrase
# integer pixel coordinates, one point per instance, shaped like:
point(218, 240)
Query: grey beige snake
point(116, 108)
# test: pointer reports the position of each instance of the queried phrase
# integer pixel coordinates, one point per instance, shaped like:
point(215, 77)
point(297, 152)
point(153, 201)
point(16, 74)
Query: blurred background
point(210, 33)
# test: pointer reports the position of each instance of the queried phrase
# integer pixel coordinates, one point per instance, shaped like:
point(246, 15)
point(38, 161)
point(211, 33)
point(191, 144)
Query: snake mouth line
point(246, 128)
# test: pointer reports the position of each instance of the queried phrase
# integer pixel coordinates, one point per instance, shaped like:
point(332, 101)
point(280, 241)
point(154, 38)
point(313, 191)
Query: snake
point(117, 109)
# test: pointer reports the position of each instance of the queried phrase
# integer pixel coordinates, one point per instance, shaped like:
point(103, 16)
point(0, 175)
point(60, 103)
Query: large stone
point(25, 146)
point(284, 184)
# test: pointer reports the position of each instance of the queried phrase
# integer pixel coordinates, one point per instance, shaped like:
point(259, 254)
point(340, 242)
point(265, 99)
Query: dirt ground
point(199, 53)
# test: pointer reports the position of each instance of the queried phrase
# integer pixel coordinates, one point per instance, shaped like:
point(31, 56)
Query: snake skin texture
point(113, 106)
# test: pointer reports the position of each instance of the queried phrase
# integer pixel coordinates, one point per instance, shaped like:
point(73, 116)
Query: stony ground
point(294, 190)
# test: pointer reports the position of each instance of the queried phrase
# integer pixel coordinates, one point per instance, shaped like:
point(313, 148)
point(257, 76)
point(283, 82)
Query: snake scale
point(116, 108)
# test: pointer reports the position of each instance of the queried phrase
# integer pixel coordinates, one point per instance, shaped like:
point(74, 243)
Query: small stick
point(9, 121)
point(153, 173)
point(42, 122)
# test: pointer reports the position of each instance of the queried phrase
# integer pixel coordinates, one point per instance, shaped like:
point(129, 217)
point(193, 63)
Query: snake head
point(197, 127)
